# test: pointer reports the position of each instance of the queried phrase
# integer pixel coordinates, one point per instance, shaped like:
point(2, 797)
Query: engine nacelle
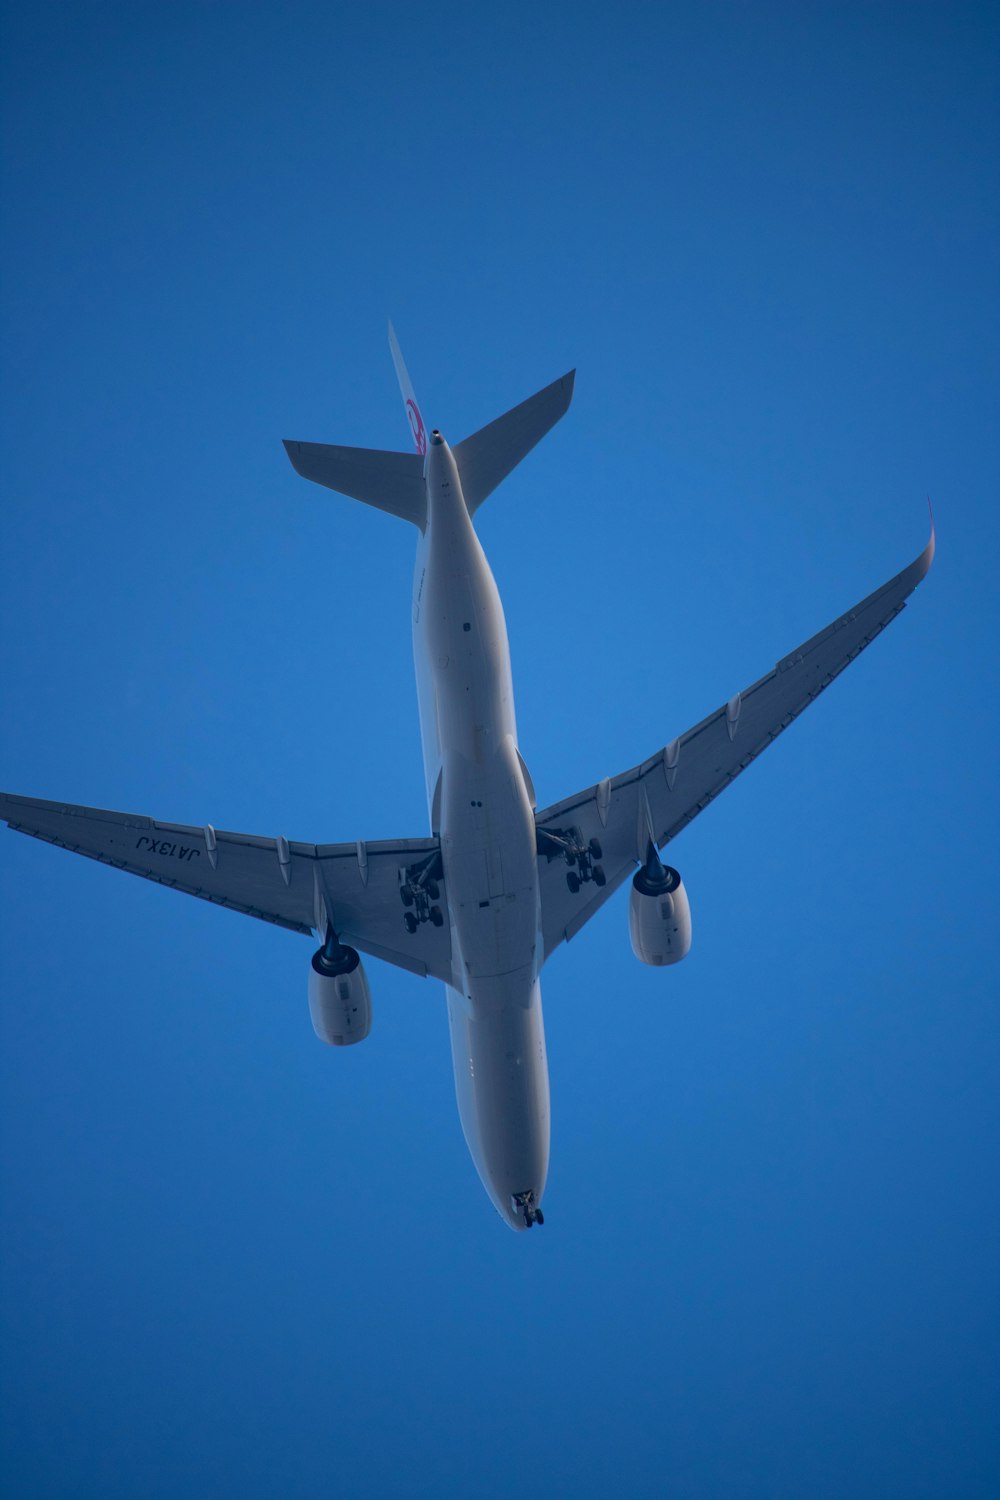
point(659, 917)
point(340, 1001)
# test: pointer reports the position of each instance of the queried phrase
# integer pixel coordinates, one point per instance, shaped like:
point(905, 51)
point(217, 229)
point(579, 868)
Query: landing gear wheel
point(410, 922)
point(573, 881)
point(406, 895)
point(599, 876)
point(436, 916)
point(433, 889)
point(539, 1217)
point(595, 849)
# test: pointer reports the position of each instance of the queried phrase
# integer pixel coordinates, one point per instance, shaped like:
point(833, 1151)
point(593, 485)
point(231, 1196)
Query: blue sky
point(237, 1264)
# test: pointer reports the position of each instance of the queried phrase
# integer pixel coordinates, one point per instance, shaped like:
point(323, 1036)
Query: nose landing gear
point(525, 1207)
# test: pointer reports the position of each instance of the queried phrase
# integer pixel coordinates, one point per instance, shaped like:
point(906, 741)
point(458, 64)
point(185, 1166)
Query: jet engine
point(659, 917)
point(340, 1001)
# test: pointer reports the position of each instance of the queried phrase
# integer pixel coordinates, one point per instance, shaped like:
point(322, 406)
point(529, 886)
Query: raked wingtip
point(927, 556)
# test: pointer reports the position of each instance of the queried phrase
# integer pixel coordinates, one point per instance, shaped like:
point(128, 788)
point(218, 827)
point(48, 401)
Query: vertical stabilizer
point(417, 429)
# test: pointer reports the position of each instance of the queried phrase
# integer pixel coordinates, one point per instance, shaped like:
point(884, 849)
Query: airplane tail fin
point(487, 457)
point(394, 482)
point(417, 429)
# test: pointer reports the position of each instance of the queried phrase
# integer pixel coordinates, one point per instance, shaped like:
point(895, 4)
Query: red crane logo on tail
point(417, 425)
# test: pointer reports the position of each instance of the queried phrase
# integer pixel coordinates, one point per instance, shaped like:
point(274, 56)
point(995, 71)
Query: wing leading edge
point(662, 795)
point(295, 885)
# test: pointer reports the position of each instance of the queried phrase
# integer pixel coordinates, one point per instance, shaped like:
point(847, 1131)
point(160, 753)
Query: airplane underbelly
point(502, 1088)
point(483, 813)
point(490, 866)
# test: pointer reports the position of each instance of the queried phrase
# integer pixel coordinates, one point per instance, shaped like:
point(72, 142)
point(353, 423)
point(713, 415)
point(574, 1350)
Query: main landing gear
point(419, 890)
point(524, 1206)
point(567, 844)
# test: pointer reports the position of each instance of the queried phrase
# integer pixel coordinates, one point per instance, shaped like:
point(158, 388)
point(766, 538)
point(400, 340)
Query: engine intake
point(659, 917)
point(340, 1003)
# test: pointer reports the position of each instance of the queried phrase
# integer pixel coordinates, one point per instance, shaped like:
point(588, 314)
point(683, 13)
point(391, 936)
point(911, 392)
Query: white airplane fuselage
point(481, 808)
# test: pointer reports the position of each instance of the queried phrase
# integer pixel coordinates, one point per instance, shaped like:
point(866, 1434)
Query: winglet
point(416, 421)
point(922, 566)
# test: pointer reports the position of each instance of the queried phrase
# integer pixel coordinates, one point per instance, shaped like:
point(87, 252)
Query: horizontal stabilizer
point(389, 481)
point(487, 457)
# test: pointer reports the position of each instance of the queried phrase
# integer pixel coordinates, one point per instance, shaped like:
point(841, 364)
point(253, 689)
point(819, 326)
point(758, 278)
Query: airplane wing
point(662, 795)
point(298, 886)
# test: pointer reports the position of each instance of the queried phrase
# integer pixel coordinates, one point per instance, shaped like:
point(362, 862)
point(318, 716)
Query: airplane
point(485, 900)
